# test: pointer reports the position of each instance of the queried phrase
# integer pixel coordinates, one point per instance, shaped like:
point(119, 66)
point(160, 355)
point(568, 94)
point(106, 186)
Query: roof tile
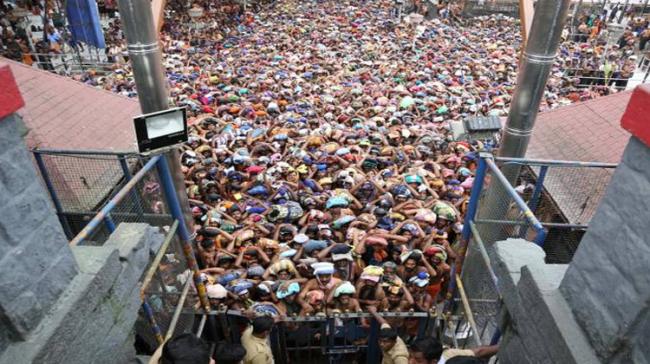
point(65, 114)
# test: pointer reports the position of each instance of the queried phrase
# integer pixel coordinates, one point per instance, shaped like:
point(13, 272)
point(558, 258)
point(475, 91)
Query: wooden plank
point(526, 12)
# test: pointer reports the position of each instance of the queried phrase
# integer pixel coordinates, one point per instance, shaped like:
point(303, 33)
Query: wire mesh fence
point(82, 183)
point(167, 283)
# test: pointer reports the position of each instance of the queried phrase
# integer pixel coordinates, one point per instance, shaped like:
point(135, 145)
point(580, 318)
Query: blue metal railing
point(99, 173)
point(180, 228)
point(103, 216)
point(488, 164)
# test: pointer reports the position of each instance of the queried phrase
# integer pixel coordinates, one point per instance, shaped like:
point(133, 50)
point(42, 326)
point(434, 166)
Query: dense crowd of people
point(320, 169)
point(593, 57)
point(585, 70)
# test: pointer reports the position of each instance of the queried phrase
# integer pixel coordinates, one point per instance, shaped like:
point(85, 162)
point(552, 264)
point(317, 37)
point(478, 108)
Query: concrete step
point(98, 269)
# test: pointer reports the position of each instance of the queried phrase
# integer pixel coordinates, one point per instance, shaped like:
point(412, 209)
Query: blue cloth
point(83, 22)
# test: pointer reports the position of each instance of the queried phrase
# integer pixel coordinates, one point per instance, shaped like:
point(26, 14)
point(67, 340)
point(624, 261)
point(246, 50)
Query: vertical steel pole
point(374, 352)
point(477, 187)
point(539, 187)
point(183, 232)
point(535, 67)
point(53, 195)
point(146, 58)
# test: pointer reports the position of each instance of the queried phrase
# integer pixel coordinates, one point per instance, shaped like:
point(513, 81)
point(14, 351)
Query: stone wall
point(539, 326)
point(596, 309)
point(608, 281)
point(93, 321)
point(36, 264)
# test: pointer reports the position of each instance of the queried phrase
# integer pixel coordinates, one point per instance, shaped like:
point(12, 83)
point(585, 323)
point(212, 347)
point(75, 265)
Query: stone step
point(72, 311)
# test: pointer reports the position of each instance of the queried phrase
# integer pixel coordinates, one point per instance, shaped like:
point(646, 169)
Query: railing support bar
point(53, 195)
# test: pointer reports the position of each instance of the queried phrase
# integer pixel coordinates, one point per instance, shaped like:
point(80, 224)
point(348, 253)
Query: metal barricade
point(551, 206)
point(81, 183)
point(321, 338)
point(167, 283)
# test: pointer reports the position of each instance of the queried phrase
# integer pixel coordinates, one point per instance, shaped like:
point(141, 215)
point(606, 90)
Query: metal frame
point(178, 228)
point(104, 214)
point(488, 163)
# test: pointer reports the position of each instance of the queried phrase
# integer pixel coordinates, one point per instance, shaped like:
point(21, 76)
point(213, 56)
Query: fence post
point(183, 232)
point(472, 208)
point(53, 195)
point(110, 224)
point(534, 199)
point(148, 312)
point(373, 354)
point(134, 193)
point(539, 186)
point(477, 187)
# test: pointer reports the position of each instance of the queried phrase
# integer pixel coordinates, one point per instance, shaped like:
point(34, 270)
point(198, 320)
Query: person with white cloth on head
point(323, 280)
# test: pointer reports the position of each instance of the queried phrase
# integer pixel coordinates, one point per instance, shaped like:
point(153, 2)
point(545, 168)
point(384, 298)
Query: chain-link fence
point(81, 183)
point(169, 293)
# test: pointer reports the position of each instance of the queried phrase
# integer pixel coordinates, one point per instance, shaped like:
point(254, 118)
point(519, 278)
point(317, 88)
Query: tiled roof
point(65, 114)
point(590, 132)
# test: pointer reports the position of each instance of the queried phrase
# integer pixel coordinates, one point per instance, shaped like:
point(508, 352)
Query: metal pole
point(535, 66)
point(146, 58)
point(178, 310)
point(468, 312)
point(148, 312)
point(539, 186)
point(477, 187)
point(183, 232)
point(144, 53)
point(620, 18)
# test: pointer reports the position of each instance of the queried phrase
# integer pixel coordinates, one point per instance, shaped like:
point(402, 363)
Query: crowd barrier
point(551, 206)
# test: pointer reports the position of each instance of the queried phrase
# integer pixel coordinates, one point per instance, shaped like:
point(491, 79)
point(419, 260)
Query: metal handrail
point(326, 316)
point(525, 209)
point(82, 152)
point(468, 311)
point(156, 262)
point(178, 310)
point(554, 163)
point(104, 214)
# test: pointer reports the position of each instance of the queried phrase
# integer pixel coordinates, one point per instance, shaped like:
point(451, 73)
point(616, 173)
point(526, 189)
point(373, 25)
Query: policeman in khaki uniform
point(255, 341)
point(392, 346)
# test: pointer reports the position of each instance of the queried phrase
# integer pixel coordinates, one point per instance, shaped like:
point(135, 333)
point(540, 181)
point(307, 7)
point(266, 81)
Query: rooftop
point(66, 114)
point(588, 131)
